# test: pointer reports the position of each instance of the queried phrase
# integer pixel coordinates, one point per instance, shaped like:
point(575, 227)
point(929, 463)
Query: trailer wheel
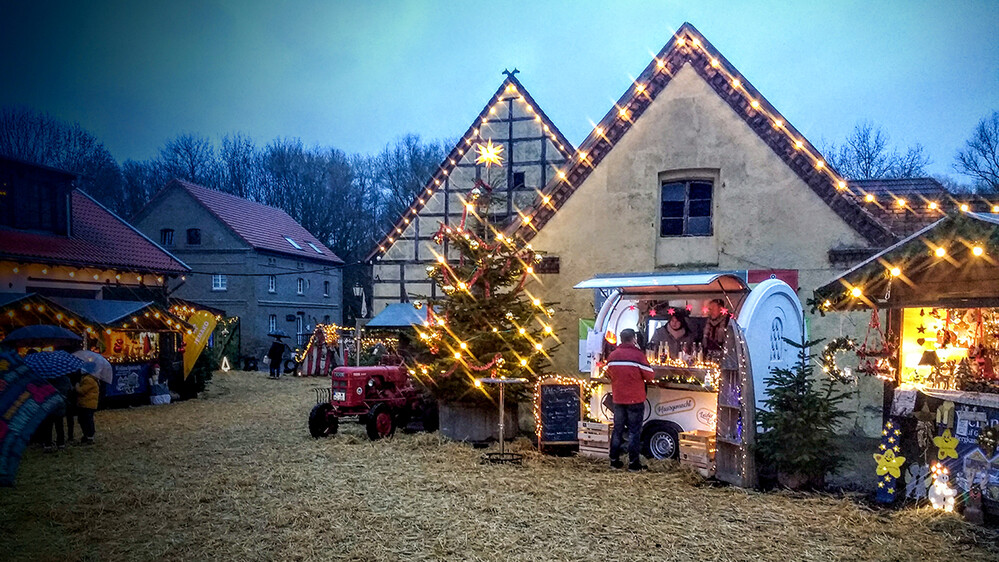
point(321, 424)
point(380, 422)
point(660, 440)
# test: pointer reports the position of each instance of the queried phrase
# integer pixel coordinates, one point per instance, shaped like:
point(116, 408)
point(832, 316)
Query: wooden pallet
point(594, 439)
point(697, 450)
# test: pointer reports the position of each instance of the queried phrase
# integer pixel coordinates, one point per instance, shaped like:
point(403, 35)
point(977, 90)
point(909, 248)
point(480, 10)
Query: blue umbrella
point(40, 334)
point(52, 364)
point(25, 401)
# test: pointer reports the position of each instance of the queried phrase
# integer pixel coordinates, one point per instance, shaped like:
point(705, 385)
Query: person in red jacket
point(628, 371)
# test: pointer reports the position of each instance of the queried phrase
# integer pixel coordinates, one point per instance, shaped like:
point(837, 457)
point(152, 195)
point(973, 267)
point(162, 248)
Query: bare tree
point(190, 157)
point(866, 155)
point(404, 168)
point(42, 139)
point(980, 157)
point(238, 167)
point(141, 181)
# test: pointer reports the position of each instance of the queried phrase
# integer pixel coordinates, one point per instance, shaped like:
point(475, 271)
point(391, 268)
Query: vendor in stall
point(716, 327)
point(676, 334)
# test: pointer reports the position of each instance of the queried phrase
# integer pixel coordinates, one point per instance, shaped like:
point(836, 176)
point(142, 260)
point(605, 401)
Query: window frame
point(220, 282)
point(167, 237)
point(326, 289)
point(197, 233)
point(272, 283)
point(687, 182)
point(301, 285)
point(272, 323)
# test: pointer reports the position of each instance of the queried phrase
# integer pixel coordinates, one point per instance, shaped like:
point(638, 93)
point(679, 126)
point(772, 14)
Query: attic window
point(313, 246)
point(293, 243)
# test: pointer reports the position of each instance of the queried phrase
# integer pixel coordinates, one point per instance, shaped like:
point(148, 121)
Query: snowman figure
point(942, 495)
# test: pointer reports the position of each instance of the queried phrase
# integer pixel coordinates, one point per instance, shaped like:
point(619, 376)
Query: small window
point(271, 283)
point(300, 265)
point(518, 179)
point(686, 208)
point(272, 262)
point(326, 288)
point(272, 323)
point(219, 282)
point(301, 286)
point(166, 237)
point(293, 243)
point(193, 236)
point(313, 246)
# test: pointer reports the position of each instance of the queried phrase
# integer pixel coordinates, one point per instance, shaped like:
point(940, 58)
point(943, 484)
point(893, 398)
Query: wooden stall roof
point(952, 262)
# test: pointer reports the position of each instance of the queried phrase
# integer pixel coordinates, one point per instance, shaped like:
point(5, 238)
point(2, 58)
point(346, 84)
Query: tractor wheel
point(380, 422)
point(431, 416)
point(660, 440)
point(321, 424)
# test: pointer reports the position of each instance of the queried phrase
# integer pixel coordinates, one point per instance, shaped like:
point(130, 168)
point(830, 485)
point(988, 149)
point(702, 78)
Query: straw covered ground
point(235, 476)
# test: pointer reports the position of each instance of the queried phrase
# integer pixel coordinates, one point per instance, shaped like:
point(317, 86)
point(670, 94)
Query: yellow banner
point(194, 343)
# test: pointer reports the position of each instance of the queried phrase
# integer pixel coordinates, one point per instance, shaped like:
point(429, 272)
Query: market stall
point(702, 393)
point(938, 292)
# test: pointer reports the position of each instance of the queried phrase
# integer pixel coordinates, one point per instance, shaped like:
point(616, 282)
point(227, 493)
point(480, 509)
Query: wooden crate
point(697, 449)
point(594, 439)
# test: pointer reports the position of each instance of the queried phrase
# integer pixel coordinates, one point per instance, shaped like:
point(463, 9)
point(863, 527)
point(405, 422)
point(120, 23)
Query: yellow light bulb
point(940, 252)
point(754, 104)
point(978, 250)
point(522, 331)
point(478, 383)
point(820, 164)
point(799, 145)
point(469, 207)
point(736, 83)
point(933, 205)
point(680, 42)
point(779, 123)
point(530, 269)
point(463, 345)
point(440, 259)
point(561, 175)
point(841, 184)
point(538, 346)
point(714, 63)
point(462, 285)
point(623, 112)
point(548, 329)
point(599, 130)
point(895, 272)
point(900, 202)
point(546, 199)
point(995, 208)
point(869, 198)
point(457, 355)
point(526, 219)
point(523, 362)
point(856, 292)
point(537, 302)
point(964, 207)
point(639, 88)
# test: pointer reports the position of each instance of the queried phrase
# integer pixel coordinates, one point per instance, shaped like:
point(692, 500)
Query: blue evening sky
point(356, 75)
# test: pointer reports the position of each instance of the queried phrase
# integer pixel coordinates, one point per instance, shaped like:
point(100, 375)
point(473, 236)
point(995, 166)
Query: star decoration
point(671, 311)
point(888, 463)
point(921, 329)
point(947, 445)
point(489, 154)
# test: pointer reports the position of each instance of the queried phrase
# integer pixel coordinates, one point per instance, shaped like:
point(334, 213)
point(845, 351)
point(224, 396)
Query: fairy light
point(964, 207)
point(940, 252)
point(869, 198)
point(933, 205)
point(895, 271)
point(978, 251)
point(856, 292)
point(841, 184)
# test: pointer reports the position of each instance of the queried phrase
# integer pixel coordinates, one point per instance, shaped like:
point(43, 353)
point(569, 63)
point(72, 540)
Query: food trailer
point(938, 292)
point(713, 393)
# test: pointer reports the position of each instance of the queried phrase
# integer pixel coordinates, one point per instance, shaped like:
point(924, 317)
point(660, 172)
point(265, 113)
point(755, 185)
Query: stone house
point(533, 150)
point(694, 170)
point(249, 259)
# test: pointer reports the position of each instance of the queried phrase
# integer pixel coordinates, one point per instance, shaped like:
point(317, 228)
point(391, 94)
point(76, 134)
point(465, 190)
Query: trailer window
point(686, 208)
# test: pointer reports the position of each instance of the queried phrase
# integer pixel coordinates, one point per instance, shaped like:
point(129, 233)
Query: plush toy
point(942, 495)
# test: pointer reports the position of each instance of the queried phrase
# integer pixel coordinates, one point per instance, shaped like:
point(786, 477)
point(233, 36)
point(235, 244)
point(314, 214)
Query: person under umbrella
point(96, 368)
point(276, 353)
point(55, 367)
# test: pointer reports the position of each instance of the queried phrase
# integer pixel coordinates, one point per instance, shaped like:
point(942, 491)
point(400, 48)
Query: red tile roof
point(261, 226)
point(98, 238)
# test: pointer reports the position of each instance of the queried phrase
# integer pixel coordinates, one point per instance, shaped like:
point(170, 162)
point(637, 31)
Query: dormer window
point(313, 246)
point(193, 236)
point(293, 243)
point(166, 237)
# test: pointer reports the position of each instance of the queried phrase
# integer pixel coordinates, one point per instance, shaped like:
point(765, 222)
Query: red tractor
point(382, 397)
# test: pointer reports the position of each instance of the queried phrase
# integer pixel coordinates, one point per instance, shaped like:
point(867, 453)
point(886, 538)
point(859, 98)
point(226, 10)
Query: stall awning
point(123, 314)
point(398, 315)
point(952, 262)
point(669, 283)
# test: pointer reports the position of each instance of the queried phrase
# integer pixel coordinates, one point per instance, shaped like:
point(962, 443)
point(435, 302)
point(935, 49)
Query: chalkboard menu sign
point(560, 412)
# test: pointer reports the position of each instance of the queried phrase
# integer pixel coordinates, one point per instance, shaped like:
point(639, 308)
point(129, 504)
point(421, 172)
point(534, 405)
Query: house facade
point(694, 170)
point(532, 151)
point(249, 259)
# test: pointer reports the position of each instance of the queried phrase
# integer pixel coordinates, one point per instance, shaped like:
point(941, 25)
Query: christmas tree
point(487, 324)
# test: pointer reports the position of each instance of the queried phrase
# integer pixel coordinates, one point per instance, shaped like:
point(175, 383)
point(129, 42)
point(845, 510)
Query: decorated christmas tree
point(487, 324)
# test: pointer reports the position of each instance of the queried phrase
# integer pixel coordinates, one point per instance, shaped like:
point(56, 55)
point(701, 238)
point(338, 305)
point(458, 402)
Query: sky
point(358, 75)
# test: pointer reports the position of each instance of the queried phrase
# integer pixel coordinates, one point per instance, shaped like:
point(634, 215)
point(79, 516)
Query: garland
point(837, 345)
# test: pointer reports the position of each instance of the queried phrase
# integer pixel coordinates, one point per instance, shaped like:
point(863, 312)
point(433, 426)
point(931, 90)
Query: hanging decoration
point(889, 463)
point(876, 353)
point(834, 347)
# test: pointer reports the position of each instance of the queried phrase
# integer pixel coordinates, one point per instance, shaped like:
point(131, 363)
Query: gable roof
point(511, 87)
point(689, 46)
point(261, 226)
point(98, 238)
point(904, 204)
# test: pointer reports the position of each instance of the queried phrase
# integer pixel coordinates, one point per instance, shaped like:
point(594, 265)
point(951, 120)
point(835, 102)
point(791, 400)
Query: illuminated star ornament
point(889, 462)
point(489, 154)
point(946, 445)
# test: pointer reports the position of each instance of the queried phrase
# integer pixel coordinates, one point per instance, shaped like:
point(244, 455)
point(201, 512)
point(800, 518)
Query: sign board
point(128, 380)
point(560, 409)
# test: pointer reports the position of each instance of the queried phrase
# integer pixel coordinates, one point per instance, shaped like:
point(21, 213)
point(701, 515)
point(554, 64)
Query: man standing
point(628, 370)
point(715, 328)
point(275, 354)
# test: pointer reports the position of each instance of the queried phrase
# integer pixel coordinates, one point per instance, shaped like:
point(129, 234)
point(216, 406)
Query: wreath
point(837, 345)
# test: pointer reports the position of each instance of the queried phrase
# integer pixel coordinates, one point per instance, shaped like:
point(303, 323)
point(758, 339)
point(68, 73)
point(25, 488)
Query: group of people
point(80, 392)
point(629, 370)
point(682, 332)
